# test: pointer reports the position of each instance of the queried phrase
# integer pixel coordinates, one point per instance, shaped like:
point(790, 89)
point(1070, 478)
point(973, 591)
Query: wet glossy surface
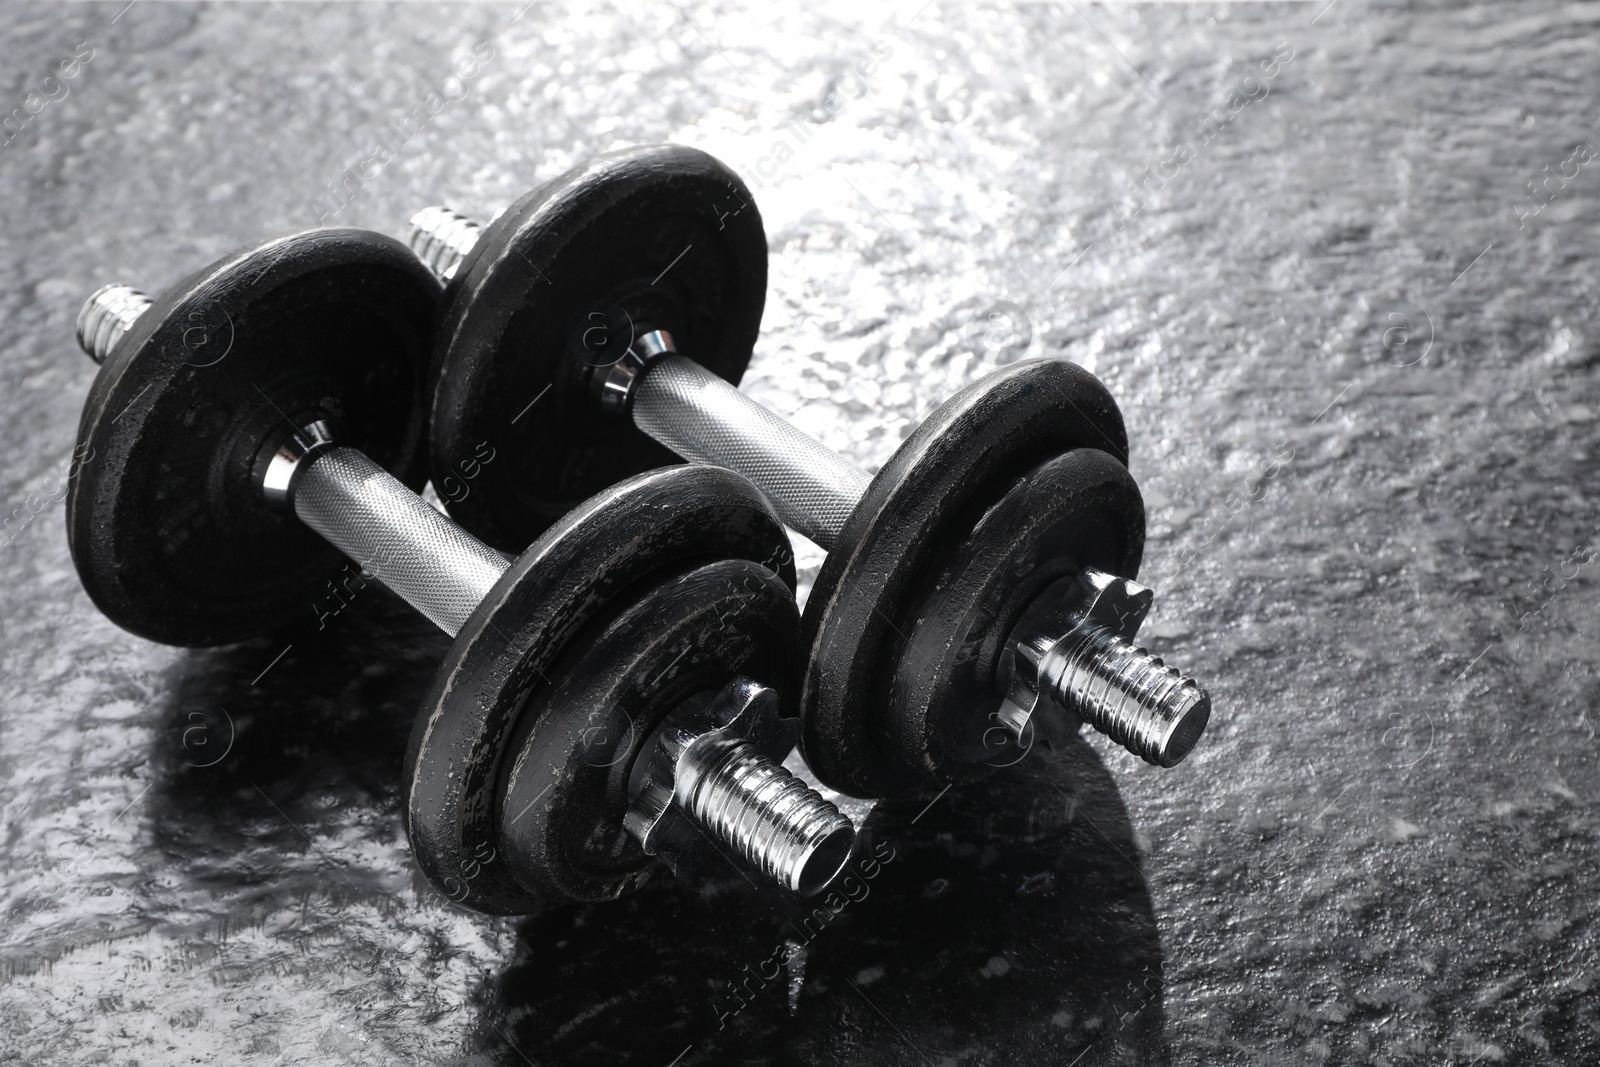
point(1369, 534)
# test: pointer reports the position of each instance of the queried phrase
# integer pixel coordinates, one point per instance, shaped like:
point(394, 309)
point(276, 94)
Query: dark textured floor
point(1348, 310)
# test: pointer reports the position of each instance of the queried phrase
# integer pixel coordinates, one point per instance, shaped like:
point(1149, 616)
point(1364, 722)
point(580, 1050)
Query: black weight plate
point(957, 464)
point(1081, 509)
point(668, 234)
point(565, 792)
point(590, 563)
point(165, 519)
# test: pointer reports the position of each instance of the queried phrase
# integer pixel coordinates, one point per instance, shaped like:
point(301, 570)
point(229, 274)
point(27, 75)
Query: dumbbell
point(977, 593)
point(612, 691)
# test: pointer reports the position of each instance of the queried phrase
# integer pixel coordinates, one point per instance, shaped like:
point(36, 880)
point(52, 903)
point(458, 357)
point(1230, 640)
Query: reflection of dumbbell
point(607, 689)
point(970, 600)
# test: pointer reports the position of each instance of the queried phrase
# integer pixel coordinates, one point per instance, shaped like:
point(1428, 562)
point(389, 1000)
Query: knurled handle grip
point(369, 515)
point(703, 418)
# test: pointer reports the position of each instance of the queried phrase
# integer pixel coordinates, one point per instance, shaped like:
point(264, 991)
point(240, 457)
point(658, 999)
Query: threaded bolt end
point(773, 820)
point(108, 314)
point(1132, 697)
point(441, 239)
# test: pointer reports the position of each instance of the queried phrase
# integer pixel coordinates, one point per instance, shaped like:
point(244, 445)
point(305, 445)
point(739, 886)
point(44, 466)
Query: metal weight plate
point(565, 790)
point(1080, 509)
point(595, 561)
point(956, 465)
point(551, 294)
point(165, 516)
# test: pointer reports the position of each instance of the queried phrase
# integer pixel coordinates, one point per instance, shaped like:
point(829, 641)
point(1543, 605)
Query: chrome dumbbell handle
point(368, 514)
point(701, 417)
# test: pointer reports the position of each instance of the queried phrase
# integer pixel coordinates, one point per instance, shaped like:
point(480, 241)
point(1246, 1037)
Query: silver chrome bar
point(703, 418)
point(369, 514)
